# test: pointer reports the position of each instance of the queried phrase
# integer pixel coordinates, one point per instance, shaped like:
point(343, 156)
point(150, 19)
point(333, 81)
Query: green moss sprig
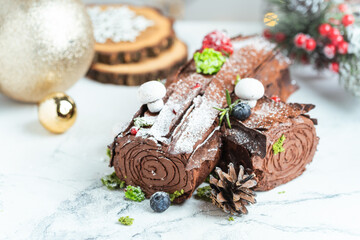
point(278, 145)
point(112, 182)
point(141, 122)
point(108, 152)
point(208, 61)
point(176, 194)
point(134, 193)
point(226, 112)
point(126, 220)
point(203, 193)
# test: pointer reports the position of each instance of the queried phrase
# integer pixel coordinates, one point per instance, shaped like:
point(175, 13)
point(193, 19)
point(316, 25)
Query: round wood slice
point(150, 43)
point(133, 74)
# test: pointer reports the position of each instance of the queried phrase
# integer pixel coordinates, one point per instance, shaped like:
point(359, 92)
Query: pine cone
point(231, 192)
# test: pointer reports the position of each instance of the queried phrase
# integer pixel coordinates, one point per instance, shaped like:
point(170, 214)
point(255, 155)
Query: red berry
point(343, 47)
point(334, 66)
point(134, 130)
point(342, 7)
point(333, 33)
point(337, 40)
point(347, 20)
point(267, 34)
point(310, 44)
point(300, 40)
point(324, 29)
point(219, 41)
point(197, 85)
point(329, 51)
point(276, 98)
point(280, 37)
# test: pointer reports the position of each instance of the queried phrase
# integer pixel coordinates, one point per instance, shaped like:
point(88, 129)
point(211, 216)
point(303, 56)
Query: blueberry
point(160, 201)
point(241, 111)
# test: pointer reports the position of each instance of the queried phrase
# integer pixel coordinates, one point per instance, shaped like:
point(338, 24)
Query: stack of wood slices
point(133, 45)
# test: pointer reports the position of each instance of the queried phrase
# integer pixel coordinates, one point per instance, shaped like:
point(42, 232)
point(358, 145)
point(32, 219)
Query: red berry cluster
point(304, 41)
point(219, 41)
point(278, 37)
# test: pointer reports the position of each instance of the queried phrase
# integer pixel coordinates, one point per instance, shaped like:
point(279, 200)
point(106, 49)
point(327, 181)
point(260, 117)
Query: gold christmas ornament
point(45, 47)
point(57, 112)
point(271, 19)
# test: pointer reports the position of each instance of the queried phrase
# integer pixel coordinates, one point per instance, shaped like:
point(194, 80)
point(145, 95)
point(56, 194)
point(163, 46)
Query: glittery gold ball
point(57, 112)
point(45, 47)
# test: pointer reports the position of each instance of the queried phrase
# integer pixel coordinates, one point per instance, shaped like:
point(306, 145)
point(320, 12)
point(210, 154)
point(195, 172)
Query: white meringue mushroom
point(251, 103)
point(151, 93)
point(249, 90)
point(156, 106)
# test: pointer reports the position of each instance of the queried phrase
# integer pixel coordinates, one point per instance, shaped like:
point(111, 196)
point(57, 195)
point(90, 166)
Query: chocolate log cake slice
point(254, 143)
point(183, 145)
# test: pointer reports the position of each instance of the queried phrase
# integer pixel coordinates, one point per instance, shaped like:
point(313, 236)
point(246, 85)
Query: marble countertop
point(50, 184)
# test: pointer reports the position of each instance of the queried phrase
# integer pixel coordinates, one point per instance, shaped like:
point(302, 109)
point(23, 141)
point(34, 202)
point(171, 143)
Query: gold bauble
point(271, 19)
point(45, 47)
point(57, 112)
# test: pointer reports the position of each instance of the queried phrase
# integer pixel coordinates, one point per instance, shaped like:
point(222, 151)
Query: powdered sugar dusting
point(177, 104)
point(258, 43)
point(200, 120)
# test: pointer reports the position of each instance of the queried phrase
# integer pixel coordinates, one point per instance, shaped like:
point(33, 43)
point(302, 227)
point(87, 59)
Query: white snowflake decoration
point(117, 24)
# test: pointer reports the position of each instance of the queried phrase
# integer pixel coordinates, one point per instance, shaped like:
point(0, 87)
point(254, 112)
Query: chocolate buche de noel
point(176, 148)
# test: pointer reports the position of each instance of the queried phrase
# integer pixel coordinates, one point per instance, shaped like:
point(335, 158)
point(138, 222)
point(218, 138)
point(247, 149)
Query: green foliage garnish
point(112, 182)
point(176, 194)
point(134, 193)
point(208, 61)
point(282, 192)
point(203, 193)
point(126, 220)
point(278, 145)
point(226, 112)
point(237, 79)
point(231, 219)
point(140, 122)
point(108, 152)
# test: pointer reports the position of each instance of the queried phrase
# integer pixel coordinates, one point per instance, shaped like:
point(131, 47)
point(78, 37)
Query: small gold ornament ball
point(57, 112)
point(271, 19)
point(45, 47)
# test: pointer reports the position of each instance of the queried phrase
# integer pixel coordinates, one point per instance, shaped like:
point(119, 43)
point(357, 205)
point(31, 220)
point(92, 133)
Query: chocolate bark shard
point(268, 122)
point(184, 145)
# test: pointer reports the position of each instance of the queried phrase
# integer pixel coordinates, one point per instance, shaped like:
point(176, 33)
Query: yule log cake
point(177, 148)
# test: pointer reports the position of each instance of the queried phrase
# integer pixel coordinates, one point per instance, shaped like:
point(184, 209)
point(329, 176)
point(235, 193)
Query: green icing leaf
point(143, 122)
point(126, 220)
point(282, 192)
point(112, 182)
point(231, 219)
point(176, 194)
point(134, 193)
point(278, 145)
point(203, 193)
point(208, 61)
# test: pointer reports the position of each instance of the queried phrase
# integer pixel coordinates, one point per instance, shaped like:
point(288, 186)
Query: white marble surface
point(50, 184)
